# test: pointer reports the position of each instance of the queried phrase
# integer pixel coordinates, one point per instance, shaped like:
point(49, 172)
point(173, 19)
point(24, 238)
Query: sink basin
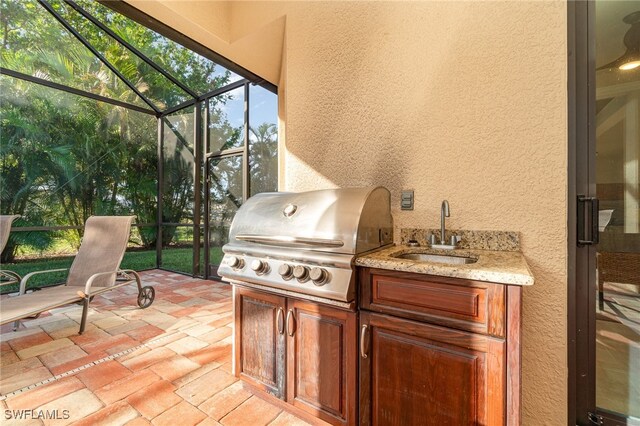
point(437, 258)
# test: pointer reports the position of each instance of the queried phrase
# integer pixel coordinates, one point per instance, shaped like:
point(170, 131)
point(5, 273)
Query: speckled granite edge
point(503, 267)
point(476, 240)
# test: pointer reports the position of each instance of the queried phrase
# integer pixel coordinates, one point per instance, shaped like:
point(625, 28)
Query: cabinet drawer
point(463, 304)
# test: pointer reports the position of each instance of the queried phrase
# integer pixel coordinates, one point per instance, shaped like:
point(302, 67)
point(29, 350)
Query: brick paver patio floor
point(169, 364)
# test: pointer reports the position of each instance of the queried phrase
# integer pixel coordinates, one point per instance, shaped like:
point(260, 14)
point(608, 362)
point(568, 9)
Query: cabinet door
point(418, 374)
point(322, 362)
point(260, 340)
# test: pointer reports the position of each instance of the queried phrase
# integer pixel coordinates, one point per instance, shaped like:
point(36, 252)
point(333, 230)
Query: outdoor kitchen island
point(407, 342)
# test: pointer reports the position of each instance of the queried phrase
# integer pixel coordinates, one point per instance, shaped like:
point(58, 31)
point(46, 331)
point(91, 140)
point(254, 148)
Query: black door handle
point(594, 230)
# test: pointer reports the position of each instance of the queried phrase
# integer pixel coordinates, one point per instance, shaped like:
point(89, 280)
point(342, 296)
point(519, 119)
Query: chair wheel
point(146, 296)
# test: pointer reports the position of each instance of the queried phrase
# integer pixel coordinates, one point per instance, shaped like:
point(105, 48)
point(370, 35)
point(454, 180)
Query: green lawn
point(175, 259)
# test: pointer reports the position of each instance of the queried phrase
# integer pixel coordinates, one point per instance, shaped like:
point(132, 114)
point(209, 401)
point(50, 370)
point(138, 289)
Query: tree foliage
point(64, 157)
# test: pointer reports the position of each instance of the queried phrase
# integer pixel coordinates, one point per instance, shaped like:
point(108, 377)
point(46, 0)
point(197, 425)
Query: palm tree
point(263, 157)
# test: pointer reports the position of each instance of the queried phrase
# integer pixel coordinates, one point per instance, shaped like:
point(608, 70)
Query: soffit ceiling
point(610, 31)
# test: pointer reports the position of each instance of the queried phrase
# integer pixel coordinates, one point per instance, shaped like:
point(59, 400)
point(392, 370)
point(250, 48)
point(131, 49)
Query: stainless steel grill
point(306, 242)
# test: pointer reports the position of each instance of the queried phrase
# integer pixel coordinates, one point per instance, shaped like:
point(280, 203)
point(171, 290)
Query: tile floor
point(169, 364)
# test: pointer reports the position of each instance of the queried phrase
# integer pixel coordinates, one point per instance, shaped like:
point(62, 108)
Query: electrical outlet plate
point(406, 199)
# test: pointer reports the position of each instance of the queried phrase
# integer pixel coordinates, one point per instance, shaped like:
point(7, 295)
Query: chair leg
point(138, 280)
point(16, 325)
point(85, 311)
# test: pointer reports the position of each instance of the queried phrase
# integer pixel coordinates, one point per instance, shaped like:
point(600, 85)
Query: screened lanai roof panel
point(37, 45)
point(60, 150)
point(198, 73)
point(152, 84)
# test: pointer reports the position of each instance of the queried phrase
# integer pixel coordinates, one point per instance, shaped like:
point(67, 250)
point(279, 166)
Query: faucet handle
point(455, 239)
point(432, 239)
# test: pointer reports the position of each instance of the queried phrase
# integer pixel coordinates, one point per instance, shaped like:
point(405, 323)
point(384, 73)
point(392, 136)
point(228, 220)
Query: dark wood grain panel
point(321, 367)
point(477, 342)
point(416, 373)
point(408, 379)
point(259, 360)
point(259, 346)
point(514, 354)
point(496, 373)
point(496, 310)
point(457, 303)
point(461, 302)
point(320, 372)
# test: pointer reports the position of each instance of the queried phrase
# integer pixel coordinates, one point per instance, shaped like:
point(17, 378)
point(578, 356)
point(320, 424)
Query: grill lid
point(345, 220)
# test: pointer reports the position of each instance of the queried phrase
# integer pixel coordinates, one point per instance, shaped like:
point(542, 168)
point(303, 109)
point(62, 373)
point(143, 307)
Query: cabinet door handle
point(280, 320)
point(290, 330)
point(363, 332)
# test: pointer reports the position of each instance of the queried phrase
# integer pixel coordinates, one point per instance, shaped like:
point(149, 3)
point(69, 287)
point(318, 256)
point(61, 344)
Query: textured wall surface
point(464, 101)
point(201, 18)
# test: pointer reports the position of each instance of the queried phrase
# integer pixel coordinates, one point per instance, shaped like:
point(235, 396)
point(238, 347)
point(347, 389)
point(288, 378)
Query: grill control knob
point(259, 267)
point(286, 271)
point(319, 276)
point(301, 273)
point(235, 262)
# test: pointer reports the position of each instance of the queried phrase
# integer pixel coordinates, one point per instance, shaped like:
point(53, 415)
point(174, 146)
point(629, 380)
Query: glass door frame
point(243, 151)
point(581, 274)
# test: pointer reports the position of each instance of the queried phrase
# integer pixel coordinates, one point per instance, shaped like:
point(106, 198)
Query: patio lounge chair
point(622, 268)
point(7, 277)
point(95, 270)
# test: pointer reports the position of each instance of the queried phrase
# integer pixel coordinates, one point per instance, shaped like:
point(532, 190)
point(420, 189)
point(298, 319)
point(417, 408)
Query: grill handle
point(281, 240)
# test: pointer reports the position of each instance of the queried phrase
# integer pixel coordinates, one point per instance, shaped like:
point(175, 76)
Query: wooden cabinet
point(419, 374)
point(299, 351)
point(321, 365)
point(438, 351)
point(260, 340)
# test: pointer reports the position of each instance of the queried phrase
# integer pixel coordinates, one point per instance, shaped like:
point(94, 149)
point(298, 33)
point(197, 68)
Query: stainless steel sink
point(437, 258)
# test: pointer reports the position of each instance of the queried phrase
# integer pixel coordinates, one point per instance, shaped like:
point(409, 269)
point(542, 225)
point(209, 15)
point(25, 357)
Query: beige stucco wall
point(258, 47)
point(464, 101)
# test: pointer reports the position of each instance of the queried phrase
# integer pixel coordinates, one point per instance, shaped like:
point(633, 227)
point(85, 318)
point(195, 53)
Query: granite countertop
point(504, 267)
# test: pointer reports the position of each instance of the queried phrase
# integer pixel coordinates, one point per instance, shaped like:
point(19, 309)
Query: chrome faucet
point(444, 212)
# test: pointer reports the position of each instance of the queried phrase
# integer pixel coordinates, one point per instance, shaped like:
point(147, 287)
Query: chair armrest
point(127, 274)
point(11, 276)
point(92, 278)
point(23, 282)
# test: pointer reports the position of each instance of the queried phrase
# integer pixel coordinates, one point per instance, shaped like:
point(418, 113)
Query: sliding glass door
point(617, 166)
point(605, 360)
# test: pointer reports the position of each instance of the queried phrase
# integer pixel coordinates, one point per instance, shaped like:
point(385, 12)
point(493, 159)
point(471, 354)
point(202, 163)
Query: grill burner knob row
point(301, 273)
point(319, 276)
point(235, 262)
point(259, 267)
point(286, 271)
